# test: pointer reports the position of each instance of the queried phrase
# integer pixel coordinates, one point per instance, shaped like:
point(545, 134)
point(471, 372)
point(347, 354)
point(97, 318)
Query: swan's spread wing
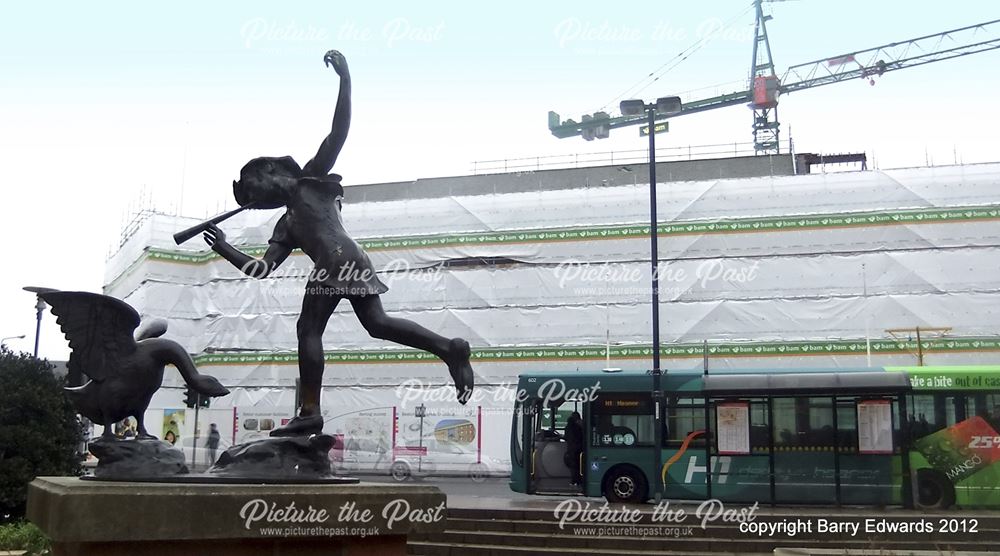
point(99, 329)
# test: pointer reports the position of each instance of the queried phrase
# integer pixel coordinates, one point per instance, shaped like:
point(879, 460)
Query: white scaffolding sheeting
point(773, 272)
point(950, 186)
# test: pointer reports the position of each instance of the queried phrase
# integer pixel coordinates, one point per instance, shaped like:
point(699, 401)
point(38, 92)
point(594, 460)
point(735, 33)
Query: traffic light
point(587, 132)
point(190, 398)
point(595, 126)
point(602, 131)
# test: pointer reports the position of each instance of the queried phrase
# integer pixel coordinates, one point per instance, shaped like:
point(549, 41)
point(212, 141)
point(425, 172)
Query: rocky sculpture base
point(277, 459)
point(280, 460)
point(137, 459)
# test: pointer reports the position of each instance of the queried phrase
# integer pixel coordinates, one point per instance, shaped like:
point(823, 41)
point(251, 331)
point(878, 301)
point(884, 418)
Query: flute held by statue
point(184, 235)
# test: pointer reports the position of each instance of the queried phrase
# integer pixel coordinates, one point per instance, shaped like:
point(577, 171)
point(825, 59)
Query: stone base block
point(155, 519)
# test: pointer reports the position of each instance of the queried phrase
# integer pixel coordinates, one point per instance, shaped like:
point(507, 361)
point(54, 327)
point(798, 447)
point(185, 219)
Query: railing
point(611, 158)
point(132, 226)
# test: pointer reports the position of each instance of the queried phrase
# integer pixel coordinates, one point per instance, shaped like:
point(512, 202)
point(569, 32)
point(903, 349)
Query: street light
point(421, 412)
point(40, 307)
point(664, 106)
point(2, 340)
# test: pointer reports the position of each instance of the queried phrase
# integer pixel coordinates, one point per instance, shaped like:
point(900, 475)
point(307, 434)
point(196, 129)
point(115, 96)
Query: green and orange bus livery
point(913, 436)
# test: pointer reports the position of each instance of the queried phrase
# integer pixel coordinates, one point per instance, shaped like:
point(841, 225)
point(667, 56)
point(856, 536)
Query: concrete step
point(504, 527)
point(716, 531)
point(987, 519)
point(426, 548)
point(840, 552)
point(657, 544)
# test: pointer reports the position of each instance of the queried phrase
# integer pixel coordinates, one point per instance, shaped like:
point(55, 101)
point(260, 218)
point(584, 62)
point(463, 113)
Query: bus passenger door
point(521, 447)
point(550, 472)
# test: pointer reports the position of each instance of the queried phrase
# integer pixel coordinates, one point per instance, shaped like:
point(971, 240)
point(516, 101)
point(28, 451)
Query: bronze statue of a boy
point(312, 222)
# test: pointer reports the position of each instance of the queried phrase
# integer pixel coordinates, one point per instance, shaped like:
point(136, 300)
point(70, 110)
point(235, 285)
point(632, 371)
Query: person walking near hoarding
point(213, 442)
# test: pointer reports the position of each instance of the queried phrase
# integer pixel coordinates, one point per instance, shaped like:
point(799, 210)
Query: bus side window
point(847, 425)
point(621, 420)
point(562, 414)
point(988, 407)
point(923, 416)
point(820, 432)
point(784, 426)
point(759, 427)
point(804, 422)
point(929, 413)
point(985, 405)
point(682, 418)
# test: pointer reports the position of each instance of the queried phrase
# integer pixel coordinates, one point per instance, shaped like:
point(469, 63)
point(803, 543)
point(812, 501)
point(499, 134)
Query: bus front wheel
point(625, 484)
point(934, 490)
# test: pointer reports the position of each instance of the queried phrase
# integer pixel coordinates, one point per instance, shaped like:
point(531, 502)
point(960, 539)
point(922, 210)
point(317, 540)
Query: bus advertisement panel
point(955, 419)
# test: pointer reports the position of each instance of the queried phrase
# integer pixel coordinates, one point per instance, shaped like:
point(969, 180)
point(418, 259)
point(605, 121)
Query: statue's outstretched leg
point(454, 352)
point(316, 311)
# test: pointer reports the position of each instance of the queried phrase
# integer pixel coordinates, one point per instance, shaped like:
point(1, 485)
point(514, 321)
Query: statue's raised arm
point(321, 164)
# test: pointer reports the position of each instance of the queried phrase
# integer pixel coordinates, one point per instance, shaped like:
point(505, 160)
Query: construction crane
point(765, 87)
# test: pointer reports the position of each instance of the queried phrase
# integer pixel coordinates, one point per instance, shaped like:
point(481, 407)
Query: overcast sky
point(102, 101)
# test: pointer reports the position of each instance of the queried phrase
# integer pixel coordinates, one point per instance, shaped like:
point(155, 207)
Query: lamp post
point(663, 106)
point(420, 412)
point(40, 307)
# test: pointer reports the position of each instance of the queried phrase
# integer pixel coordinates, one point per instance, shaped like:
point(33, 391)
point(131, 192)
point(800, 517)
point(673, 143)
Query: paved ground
point(461, 486)
point(493, 493)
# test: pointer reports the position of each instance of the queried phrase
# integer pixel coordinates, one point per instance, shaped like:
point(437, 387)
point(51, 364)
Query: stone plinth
point(86, 518)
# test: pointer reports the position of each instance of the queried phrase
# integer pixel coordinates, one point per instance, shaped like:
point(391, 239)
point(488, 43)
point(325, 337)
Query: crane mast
point(764, 84)
point(764, 87)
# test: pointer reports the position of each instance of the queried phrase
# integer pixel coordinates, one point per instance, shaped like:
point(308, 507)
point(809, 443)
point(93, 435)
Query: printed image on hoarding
point(173, 423)
point(255, 423)
point(459, 431)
